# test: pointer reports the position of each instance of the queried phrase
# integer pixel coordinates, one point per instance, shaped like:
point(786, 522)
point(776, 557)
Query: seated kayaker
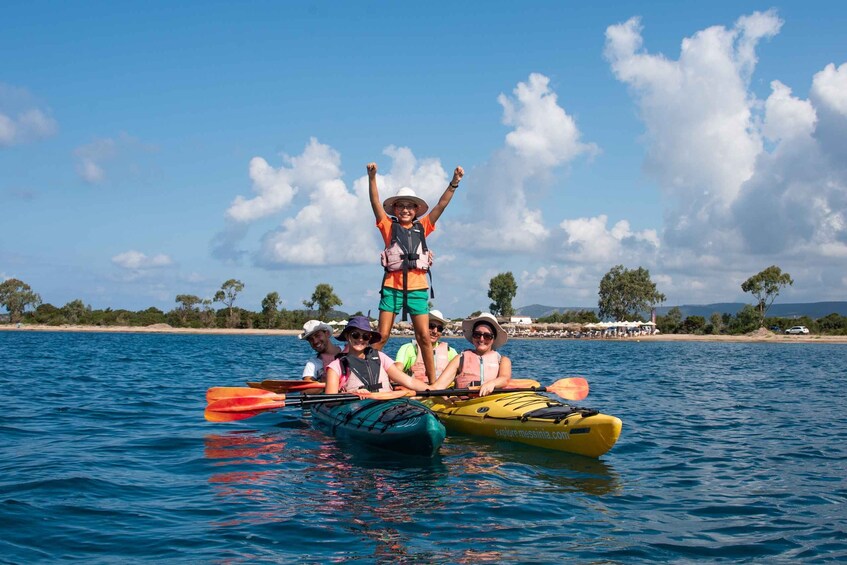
point(481, 366)
point(363, 367)
point(409, 360)
point(319, 336)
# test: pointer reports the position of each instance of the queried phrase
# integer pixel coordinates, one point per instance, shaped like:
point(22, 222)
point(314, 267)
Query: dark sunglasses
point(359, 335)
point(438, 327)
point(483, 335)
point(406, 205)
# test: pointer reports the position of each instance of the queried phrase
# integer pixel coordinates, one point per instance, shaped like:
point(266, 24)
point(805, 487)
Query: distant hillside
point(814, 310)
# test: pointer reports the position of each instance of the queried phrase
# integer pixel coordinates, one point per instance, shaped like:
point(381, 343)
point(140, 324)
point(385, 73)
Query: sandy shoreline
point(756, 337)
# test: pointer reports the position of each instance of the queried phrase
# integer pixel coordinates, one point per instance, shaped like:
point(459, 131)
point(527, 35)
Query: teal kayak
point(402, 425)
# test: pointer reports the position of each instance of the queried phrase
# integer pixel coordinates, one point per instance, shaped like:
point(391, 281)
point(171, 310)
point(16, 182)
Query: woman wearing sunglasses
point(362, 367)
point(481, 366)
point(406, 259)
point(409, 358)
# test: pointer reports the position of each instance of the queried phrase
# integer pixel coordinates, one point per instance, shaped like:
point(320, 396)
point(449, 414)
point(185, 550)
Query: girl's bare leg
point(386, 321)
point(421, 324)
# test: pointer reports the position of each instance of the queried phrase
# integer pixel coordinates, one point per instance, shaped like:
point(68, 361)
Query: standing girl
point(407, 259)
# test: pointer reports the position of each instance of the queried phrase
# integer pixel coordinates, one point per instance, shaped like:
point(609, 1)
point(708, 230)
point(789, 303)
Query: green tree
point(227, 295)
point(765, 287)
point(670, 322)
point(75, 311)
point(625, 293)
point(270, 308)
point(207, 314)
point(717, 322)
point(694, 325)
point(187, 307)
point(16, 296)
point(502, 289)
point(745, 321)
point(835, 324)
point(325, 299)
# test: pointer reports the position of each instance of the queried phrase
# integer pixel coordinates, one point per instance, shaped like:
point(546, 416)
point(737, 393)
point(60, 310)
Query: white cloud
point(276, 188)
point(135, 260)
point(787, 117)
point(317, 233)
point(588, 240)
point(732, 197)
point(701, 138)
point(21, 121)
point(829, 87)
point(745, 183)
point(97, 159)
point(544, 137)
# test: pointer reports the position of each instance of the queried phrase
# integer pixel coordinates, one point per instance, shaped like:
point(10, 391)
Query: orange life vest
point(475, 369)
point(418, 370)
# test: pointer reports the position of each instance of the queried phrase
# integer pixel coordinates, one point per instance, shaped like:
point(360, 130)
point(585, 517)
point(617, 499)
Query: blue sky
point(149, 150)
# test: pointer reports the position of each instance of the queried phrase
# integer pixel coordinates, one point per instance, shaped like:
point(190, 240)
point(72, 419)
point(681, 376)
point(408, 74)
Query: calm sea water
point(729, 452)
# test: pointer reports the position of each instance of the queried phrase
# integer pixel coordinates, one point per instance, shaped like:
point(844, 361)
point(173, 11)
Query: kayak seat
point(557, 413)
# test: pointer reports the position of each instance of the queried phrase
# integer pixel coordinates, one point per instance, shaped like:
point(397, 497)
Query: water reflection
point(555, 471)
point(308, 477)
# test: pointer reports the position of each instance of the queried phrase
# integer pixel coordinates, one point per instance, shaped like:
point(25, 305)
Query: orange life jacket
point(418, 370)
point(475, 369)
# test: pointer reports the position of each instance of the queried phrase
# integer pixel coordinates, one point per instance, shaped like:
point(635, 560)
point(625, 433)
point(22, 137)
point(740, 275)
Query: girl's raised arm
point(373, 192)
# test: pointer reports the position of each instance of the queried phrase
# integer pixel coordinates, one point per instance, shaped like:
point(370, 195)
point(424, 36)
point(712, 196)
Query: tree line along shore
point(624, 294)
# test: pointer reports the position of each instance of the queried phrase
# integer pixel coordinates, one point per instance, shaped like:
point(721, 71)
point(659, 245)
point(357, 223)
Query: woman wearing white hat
point(410, 361)
point(481, 366)
point(407, 259)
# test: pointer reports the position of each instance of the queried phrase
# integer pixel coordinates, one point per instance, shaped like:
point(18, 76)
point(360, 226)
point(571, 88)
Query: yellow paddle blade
point(522, 383)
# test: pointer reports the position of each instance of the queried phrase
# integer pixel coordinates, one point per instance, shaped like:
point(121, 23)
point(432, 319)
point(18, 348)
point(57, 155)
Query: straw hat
point(501, 336)
point(405, 193)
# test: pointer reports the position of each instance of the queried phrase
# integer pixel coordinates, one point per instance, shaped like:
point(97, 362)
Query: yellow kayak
point(531, 418)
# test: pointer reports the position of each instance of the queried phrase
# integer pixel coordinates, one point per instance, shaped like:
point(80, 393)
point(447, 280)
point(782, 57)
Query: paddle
point(277, 385)
point(222, 392)
point(572, 388)
point(240, 408)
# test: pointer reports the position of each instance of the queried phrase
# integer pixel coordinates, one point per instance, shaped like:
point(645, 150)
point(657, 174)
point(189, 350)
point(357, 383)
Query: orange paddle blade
point(222, 392)
point(213, 416)
point(244, 404)
point(277, 385)
point(572, 388)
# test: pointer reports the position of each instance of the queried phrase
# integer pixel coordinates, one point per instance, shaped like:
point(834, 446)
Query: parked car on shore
point(797, 330)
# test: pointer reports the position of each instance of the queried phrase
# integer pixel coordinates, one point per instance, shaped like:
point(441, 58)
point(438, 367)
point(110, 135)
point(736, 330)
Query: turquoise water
point(729, 452)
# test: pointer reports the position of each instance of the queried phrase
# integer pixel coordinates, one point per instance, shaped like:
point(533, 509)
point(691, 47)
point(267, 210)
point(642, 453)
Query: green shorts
point(417, 301)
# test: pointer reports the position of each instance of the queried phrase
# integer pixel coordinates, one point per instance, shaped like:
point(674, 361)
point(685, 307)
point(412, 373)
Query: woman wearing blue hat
point(362, 367)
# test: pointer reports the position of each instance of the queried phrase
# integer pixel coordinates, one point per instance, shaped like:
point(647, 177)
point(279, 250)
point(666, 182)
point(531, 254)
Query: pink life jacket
point(418, 370)
point(407, 249)
point(475, 369)
point(364, 373)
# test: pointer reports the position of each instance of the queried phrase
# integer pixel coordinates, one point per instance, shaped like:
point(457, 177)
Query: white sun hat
point(405, 193)
point(313, 326)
